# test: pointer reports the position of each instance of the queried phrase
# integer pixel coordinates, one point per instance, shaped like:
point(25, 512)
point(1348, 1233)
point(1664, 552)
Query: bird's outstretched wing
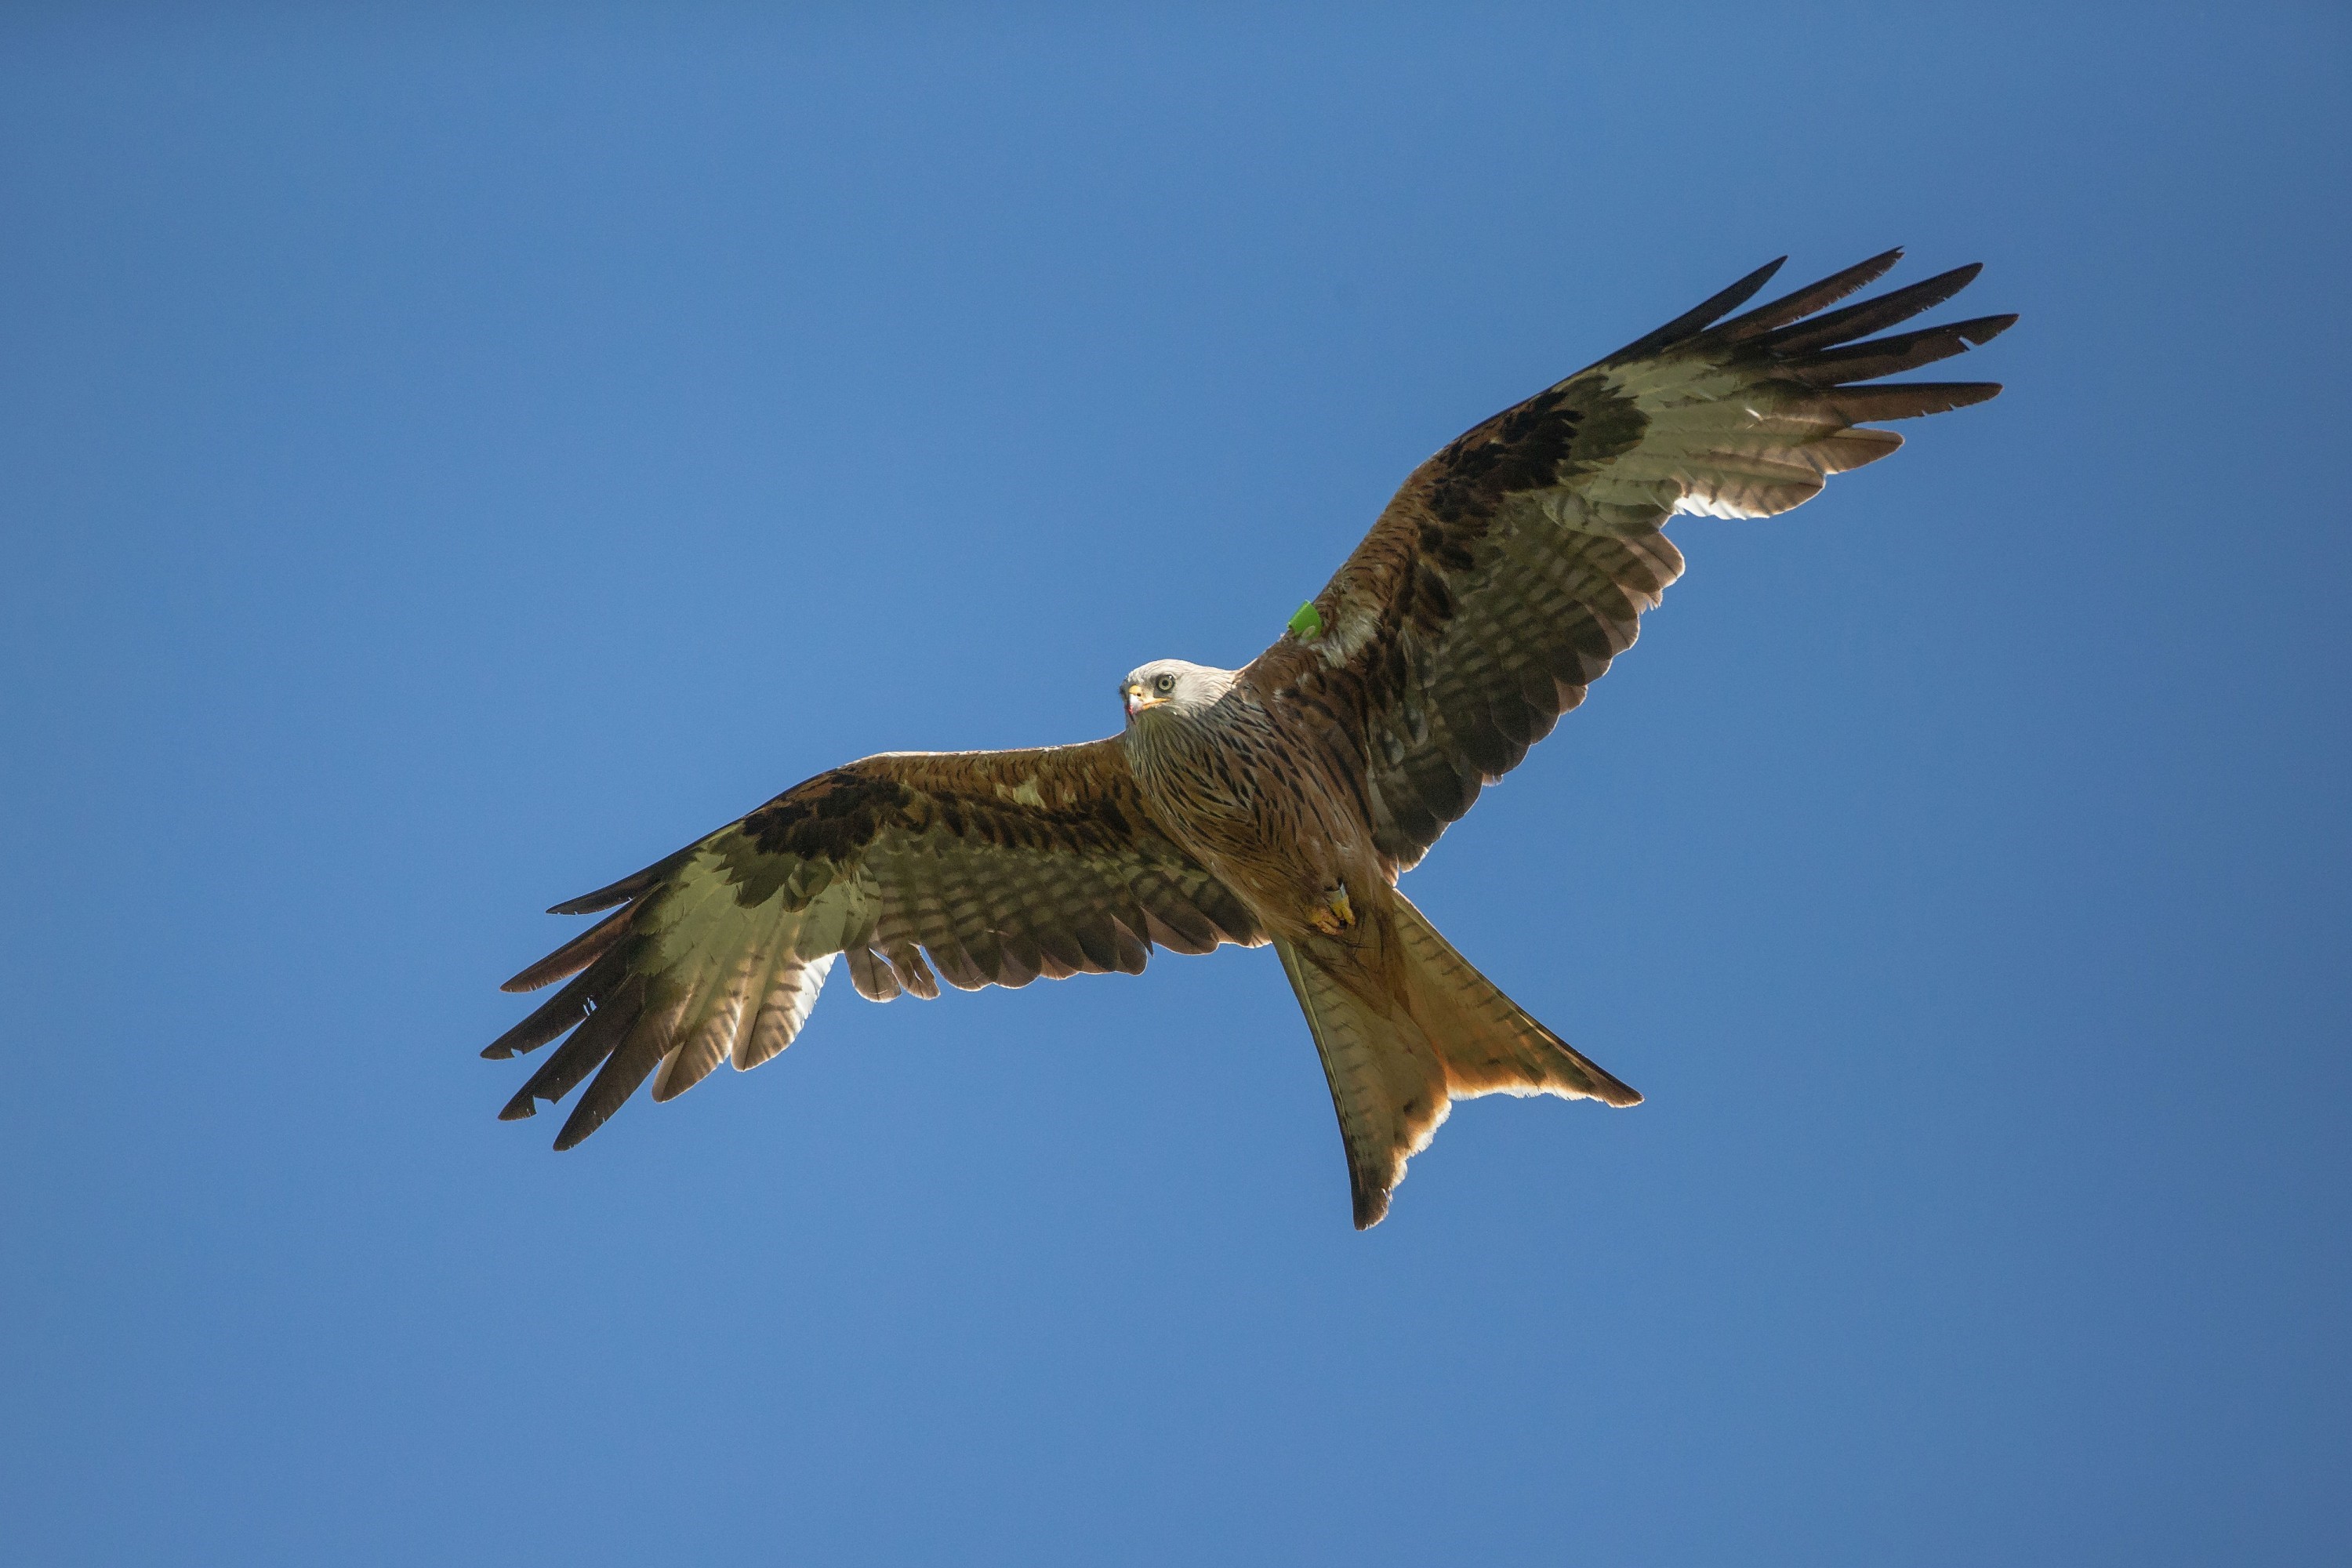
point(1515, 564)
point(999, 866)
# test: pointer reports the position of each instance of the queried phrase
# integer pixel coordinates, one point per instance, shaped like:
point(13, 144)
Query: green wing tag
point(1307, 622)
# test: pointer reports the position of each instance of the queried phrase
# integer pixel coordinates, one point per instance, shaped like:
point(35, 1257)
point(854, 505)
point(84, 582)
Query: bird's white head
point(1173, 686)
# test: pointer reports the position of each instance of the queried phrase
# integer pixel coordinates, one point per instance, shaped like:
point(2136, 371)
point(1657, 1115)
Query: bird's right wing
point(999, 866)
point(1514, 565)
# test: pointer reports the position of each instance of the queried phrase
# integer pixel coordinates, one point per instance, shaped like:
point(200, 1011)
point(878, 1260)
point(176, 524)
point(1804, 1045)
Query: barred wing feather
point(1514, 565)
point(979, 868)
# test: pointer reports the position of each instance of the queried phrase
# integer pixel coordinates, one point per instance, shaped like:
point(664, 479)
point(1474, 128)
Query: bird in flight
point(1277, 803)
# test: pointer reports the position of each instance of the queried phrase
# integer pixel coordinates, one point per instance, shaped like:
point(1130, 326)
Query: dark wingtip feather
point(1874, 357)
point(1984, 328)
point(576, 954)
point(587, 904)
point(552, 1018)
point(1812, 297)
point(629, 1067)
point(1695, 320)
point(1905, 399)
point(619, 892)
point(588, 1048)
point(1859, 321)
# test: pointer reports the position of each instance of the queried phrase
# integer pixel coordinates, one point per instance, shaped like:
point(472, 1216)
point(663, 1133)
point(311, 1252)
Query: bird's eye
point(1165, 684)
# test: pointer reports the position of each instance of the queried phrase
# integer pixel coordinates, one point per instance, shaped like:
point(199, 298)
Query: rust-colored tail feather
point(1405, 1027)
point(1489, 1043)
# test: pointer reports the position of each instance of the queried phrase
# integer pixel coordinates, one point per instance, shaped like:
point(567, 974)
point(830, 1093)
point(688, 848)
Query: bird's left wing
point(1516, 563)
point(999, 866)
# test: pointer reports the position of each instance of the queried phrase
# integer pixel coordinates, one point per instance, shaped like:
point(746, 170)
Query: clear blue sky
point(446, 463)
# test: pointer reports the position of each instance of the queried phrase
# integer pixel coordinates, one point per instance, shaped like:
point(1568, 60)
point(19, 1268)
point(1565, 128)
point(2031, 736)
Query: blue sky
point(447, 462)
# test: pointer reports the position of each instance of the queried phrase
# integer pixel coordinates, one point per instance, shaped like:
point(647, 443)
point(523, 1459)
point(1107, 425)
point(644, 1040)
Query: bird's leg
point(1334, 913)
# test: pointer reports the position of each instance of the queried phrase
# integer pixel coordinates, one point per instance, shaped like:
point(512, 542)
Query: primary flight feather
point(1277, 803)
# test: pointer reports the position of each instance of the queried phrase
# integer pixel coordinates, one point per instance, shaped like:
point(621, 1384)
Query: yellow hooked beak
point(1137, 698)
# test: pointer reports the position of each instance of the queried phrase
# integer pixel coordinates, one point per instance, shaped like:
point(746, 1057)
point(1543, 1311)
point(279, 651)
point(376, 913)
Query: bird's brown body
point(1275, 818)
point(1278, 803)
point(1257, 783)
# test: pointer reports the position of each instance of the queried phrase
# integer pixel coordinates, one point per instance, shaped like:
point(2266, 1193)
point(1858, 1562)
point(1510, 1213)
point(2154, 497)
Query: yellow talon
point(1334, 915)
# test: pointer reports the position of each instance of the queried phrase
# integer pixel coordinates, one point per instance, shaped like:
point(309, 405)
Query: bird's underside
point(1278, 803)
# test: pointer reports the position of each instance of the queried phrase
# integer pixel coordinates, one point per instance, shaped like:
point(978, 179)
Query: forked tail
point(1405, 1027)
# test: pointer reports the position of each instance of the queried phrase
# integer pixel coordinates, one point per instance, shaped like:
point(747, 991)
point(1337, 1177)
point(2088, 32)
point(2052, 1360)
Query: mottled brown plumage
point(1278, 803)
